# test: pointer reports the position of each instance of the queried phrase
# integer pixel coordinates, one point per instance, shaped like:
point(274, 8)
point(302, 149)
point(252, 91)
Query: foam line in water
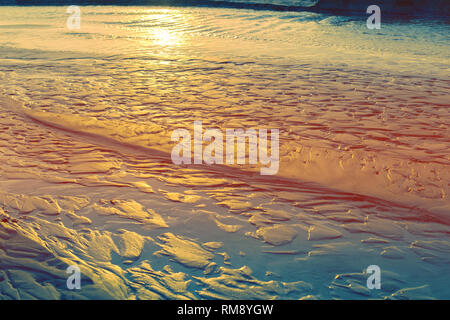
point(435, 8)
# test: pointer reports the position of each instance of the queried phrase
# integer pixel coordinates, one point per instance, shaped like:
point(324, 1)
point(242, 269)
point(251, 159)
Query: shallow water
point(86, 175)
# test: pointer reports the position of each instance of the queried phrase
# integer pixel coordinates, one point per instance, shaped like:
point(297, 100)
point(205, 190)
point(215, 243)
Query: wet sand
point(87, 179)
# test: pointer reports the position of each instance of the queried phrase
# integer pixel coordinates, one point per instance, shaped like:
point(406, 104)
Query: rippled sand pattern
point(86, 176)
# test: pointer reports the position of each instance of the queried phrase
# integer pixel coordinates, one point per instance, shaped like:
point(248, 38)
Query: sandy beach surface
point(86, 176)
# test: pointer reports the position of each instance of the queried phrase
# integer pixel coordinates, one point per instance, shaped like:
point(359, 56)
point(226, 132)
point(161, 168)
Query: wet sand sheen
point(86, 178)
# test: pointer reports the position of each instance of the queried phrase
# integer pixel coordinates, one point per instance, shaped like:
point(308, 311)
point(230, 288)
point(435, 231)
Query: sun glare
point(164, 37)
